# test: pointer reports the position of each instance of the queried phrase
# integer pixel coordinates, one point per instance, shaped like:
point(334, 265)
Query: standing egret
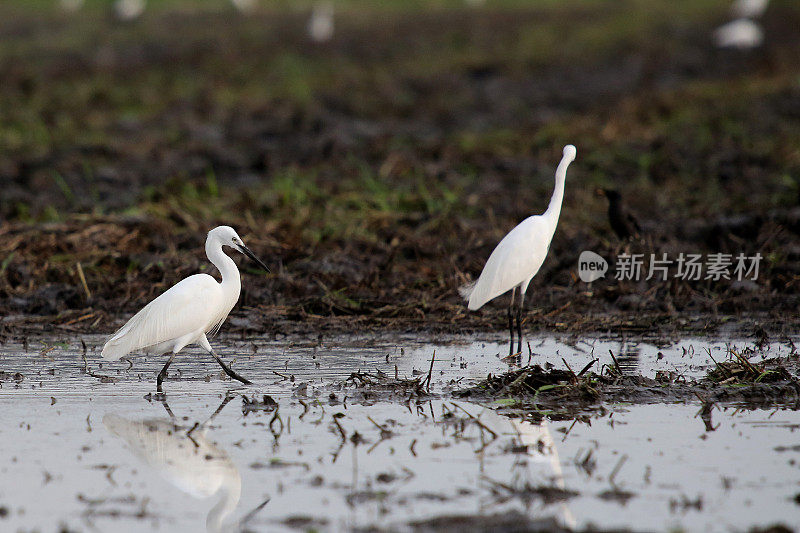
point(185, 313)
point(519, 256)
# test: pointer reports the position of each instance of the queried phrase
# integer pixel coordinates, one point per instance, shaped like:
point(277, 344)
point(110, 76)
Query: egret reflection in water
point(185, 458)
point(541, 466)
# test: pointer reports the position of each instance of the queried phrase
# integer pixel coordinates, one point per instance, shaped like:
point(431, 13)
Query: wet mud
point(374, 205)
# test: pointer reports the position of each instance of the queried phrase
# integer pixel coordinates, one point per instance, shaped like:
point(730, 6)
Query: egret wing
point(517, 258)
point(187, 307)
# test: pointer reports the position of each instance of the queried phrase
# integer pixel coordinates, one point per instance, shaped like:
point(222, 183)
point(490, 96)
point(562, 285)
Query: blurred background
point(374, 153)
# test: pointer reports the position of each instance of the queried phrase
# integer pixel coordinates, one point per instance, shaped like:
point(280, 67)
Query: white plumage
point(178, 317)
point(742, 33)
point(519, 256)
point(320, 26)
point(514, 261)
point(129, 10)
point(186, 313)
point(749, 8)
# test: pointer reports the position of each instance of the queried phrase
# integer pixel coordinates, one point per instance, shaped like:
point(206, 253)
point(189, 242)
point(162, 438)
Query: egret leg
point(511, 321)
point(230, 371)
point(163, 373)
point(519, 322)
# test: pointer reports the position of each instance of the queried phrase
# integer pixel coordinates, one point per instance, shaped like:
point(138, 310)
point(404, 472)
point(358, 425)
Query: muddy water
point(93, 454)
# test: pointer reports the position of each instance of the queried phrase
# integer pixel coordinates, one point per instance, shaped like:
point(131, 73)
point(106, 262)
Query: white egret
point(129, 10)
point(320, 25)
point(742, 33)
point(749, 8)
point(188, 311)
point(519, 256)
point(244, 6)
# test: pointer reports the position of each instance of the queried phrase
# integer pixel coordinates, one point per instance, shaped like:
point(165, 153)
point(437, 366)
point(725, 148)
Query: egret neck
point(554, 209)
point(231, 282)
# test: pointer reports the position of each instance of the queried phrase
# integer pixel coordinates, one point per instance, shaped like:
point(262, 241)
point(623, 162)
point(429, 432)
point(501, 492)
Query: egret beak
point(249, 253)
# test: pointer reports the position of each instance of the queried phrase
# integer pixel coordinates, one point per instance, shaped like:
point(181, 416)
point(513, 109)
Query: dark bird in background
point(622, 222)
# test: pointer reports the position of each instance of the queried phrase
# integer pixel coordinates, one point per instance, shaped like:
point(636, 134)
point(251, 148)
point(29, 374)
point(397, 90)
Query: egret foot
point(230, 371)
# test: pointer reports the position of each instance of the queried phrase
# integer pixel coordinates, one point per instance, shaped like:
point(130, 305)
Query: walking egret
point(188, 311)
point(519, 256)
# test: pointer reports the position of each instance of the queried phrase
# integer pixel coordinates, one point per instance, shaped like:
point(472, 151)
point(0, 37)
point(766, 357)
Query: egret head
point(227, 236)
point(569, 153)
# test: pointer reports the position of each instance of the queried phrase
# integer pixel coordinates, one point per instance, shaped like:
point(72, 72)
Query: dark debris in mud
point(265, 404)
point(547, 494)
point(539, 392)
point(741, 370)
point(512, 522)
point(17, 377)
point(374, 384)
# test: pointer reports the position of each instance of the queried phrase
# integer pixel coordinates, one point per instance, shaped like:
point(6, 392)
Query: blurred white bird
point(185, 313)
point(244, 6)
point(128, 10)
point(749, 8)
point(520, 254)
point(186, 459)
point(71, 6)
point(320, 26)
point(742, 33)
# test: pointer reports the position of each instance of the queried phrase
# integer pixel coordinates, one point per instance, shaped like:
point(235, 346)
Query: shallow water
point(94, 455)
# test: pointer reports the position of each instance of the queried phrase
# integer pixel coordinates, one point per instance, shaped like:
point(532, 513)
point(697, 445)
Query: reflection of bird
point(320, 26)
point(185, 313)
point(622, 222)
point(540, 448)
point(187, 460)
point(519, 256)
